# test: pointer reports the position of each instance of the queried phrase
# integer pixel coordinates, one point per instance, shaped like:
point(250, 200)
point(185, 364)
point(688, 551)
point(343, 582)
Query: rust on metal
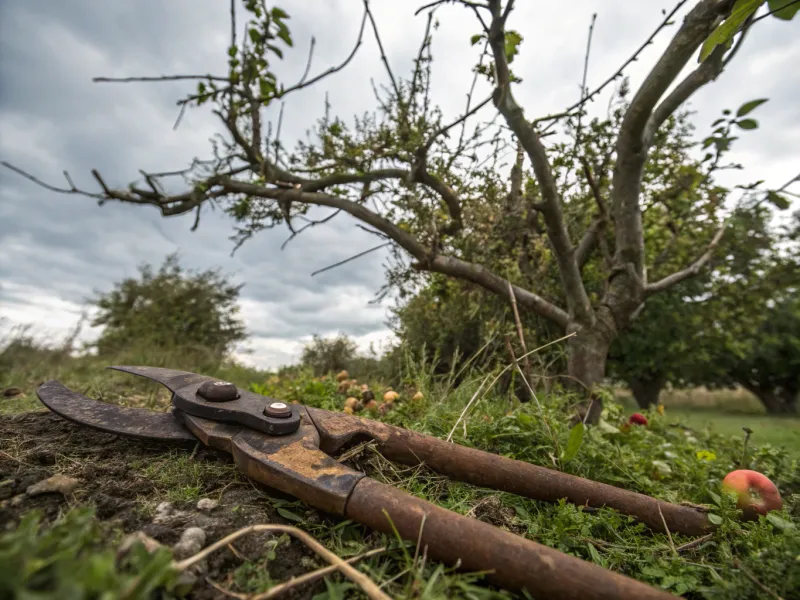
point(133, 422)
point(516, 563)
point(505, 474)
point(291, 463)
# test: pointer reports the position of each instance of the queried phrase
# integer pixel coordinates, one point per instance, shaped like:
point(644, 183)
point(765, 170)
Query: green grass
point(660, 460)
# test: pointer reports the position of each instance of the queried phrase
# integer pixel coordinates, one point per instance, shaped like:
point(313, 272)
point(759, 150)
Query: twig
point(694, 543)
point(752, 578)
point(520, 333)
point(634, 57)
point(347, 260)
point(380, 47)
point(366, 584)
point(669, 535)
point(312, 576)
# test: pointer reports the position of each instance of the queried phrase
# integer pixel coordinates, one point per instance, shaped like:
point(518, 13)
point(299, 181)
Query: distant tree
point(326, 355)
point(170, 308)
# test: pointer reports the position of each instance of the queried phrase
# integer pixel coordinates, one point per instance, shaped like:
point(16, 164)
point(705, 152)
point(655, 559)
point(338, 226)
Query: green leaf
point(278, 13)
point(513, 40)
point(232, 51)
point(778, 522)
point(291, 516)
point(715, 497)
point(725, 32)
point(715, 519)
point(574, 442)
point(785, 10)
point(749, 106)
point(780, 202)
point(475, 39)
point(662, 467)
point(607, 427)
point(747, 124)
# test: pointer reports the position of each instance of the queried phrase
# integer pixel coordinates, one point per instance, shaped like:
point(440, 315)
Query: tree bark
point(646, 390)
point(586, 366)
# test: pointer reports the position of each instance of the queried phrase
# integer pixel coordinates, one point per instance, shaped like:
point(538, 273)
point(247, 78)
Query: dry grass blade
point(364, 582)
point(495, 380)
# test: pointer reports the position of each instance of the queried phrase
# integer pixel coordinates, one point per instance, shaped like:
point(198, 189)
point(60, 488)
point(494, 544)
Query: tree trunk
point(586, 366)
point(776, 402)
point(646, 390)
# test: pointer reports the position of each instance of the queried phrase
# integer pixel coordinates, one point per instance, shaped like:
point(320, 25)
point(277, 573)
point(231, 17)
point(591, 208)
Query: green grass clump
point(673, 458)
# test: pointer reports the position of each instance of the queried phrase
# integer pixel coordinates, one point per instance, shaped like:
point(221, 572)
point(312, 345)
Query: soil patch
point(126, 480)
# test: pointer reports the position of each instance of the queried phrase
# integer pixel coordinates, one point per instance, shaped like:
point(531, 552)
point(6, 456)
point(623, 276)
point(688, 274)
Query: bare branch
point(380, 47)
point(158, 78)
point(688, 272)
point(633, 58)
point(347, 260)
point(577, 298)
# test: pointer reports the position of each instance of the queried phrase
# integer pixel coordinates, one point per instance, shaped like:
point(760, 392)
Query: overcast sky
point(55, 250)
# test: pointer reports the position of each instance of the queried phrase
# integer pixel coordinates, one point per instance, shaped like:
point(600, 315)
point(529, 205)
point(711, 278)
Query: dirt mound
point(128, 483)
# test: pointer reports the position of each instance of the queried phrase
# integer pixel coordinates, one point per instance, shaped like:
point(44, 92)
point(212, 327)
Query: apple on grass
point(756, 494)
point(638, 419)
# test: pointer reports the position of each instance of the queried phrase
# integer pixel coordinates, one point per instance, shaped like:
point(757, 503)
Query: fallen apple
point(637, 419)
point(756, 494)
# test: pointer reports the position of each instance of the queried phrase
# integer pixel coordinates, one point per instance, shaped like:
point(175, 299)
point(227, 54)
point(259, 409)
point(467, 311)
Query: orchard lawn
point(727, 412)
point(122, 485)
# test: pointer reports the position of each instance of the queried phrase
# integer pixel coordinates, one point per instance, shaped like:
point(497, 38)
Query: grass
point(671, 463)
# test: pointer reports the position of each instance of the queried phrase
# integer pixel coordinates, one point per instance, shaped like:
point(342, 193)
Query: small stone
point(192, 541)
point(166, 513)
point(206, 504)
point(55, 484)
point(149, 543)
point(11, 392)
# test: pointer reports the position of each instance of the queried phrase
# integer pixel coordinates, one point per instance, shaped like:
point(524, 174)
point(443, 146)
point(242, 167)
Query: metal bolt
point(279, 410)
point(218, 391)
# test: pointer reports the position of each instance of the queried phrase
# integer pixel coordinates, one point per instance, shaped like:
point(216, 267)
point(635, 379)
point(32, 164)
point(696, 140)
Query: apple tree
point(427, 185)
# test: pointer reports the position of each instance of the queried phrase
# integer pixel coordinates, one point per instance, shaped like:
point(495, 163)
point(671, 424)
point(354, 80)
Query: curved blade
point(132, 422)
point(172, 379)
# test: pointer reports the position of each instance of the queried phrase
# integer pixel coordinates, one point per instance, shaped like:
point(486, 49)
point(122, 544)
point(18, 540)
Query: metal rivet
point(218, 391)
point(280, 410)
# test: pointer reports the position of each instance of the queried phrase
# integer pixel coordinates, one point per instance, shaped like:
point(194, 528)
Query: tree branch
point(577, 298)
point(690, 271)
point(631, 143)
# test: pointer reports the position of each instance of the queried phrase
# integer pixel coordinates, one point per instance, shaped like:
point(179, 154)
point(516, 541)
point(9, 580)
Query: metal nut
point(278, 410)
point(218, 391)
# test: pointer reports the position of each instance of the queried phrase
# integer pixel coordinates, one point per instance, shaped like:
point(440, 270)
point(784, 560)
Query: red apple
point(757, 495)
point(637, 419)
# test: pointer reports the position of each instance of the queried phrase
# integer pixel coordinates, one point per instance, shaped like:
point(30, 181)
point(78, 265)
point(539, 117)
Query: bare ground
point(35, 446)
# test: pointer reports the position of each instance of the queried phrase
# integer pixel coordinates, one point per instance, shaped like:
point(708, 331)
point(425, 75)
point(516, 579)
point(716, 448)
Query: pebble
point(192, 541)
point(149, 543)
point(55, 484)
point(206, 504)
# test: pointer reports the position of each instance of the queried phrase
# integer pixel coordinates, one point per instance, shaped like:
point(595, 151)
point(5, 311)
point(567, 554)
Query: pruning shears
point(291, 448)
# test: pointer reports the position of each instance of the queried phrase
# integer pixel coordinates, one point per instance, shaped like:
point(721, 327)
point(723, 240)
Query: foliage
point(741, 18)
point(325, 355)
point(70, 559)
point(170, 308)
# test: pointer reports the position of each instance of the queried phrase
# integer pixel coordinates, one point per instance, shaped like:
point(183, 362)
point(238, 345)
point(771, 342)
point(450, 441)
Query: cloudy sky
point(55, 250)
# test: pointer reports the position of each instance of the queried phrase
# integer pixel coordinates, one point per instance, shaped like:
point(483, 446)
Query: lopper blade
point(131, 422)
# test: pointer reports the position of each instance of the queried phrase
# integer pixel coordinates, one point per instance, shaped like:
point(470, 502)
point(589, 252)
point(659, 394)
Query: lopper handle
point(505, 474)
point(514, 563)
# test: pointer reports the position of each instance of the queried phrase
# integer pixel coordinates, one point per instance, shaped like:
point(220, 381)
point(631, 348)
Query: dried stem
point(366, 584)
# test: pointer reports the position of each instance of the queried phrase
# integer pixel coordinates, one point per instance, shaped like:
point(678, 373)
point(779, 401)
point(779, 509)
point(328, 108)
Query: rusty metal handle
point(515, 563)
point(505, 474)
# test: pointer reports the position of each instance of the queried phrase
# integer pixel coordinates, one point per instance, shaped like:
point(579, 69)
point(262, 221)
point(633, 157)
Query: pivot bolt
point(279, 410)
point(218, 391)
